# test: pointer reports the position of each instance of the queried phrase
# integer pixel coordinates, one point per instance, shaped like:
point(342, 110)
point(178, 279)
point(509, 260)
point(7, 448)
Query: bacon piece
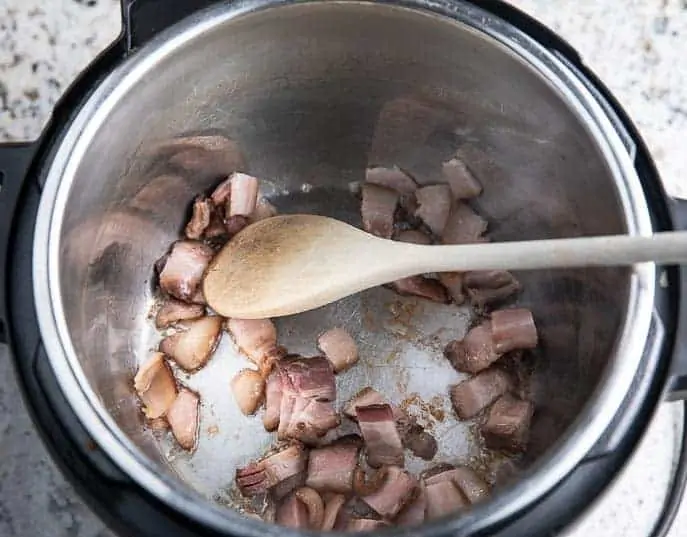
point(443, 498)
point(378, 428)
point(200, 219)
point(183, 269)
point(513, 329)
point(173, 311)
point(249, 390)
point(414, 512)
point(463, 226)
point(184, 419)
point(155, 385)
point(378, 209)
point(457, 175)
point(310, 378)
point(473, 487)
point(310, 420)
point(508, 424)
point(332, 508)
point(256, 338)
point(292, 513)
point(273, 393)
point(453, 282)
point(475, 352)
point(339, 348)
point(434, 206)
point(220, 196)
point(314, 504)
point(392, 178)
point(366, 397)
point(331, 468)
point(194, 342)
point(308, 390)
point(259, 477)
point(422, 287)
point(472, 396)
point(244, 195)
point(490, 287)
point(397, 491)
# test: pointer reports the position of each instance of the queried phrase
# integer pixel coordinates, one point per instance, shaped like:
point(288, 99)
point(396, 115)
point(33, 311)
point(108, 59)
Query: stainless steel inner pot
point(313, 92)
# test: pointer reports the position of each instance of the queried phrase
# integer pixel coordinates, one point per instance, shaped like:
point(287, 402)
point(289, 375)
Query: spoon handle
point(613, 250)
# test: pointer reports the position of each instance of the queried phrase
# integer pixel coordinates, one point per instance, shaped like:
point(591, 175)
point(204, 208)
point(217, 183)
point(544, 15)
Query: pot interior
point(312, 94)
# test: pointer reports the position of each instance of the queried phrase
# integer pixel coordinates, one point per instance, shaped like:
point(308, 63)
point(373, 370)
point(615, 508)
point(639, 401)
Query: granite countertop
point(636, 46)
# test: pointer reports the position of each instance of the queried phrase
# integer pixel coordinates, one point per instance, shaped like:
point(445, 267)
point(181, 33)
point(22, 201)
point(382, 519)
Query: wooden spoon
point(294, 263)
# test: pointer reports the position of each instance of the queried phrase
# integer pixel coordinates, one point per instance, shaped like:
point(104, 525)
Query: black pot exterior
point(130, 510)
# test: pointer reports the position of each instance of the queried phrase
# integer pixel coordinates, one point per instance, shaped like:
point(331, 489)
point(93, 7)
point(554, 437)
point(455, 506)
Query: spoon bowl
point(294, 263)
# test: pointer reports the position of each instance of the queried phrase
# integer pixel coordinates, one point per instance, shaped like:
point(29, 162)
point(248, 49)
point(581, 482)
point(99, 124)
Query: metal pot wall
point(313, 92)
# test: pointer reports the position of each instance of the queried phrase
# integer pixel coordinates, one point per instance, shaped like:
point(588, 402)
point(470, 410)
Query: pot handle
point(15, 159)
point(143, 19)
point(677, 381)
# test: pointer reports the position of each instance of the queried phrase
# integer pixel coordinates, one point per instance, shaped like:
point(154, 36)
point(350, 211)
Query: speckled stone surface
point(636, 46)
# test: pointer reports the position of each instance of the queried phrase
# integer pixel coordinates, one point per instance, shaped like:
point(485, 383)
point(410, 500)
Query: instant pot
point(305, 88)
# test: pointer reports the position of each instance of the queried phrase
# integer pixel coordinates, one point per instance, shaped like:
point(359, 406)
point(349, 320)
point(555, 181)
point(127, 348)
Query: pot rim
point(544, 475)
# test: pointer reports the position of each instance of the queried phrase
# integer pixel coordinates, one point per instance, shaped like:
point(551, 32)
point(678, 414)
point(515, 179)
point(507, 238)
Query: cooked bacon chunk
point(473, 487)
point(273, 393)
point(194, 342)
point(414, 512)
point(200, 219)
point(508, 424)
point(331, 468)
point(222, 193)
point(378, 209)
point(513, 329)
point(395, 493)
point(383, 442)
point(443, 499)
point(155, 385)
point(173, 311)
point(192, 345)
point(475, 352)
point(463, 226)
point(308, 391)
point(183, 269)
point(339, 348)
point(184, 418)
point(259, 477)
point(256, 338)
point(472, 396)
point(365, 397)
point(244, 195)
point(292, 513)
point(434, 206)
point(490, 287)
point(453, 282)
point(332, 508)
point(422, 287)
point(249, 390)
point(463, 184)
point(392, 178)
